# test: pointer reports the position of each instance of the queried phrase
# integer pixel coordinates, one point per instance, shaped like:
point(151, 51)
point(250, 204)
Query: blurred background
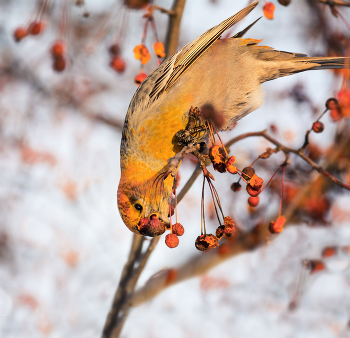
point(62, 242)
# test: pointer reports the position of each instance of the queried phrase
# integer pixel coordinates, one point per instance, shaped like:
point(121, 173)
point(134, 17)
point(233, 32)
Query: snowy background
point(62, 241)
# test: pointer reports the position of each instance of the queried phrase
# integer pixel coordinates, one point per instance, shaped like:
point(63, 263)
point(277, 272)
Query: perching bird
point(225, 74)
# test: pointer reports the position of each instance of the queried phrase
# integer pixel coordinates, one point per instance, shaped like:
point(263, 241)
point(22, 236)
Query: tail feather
point(281, 64)
point(327, 62)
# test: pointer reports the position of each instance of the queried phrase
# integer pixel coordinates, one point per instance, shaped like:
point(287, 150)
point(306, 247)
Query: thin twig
point(298, 152)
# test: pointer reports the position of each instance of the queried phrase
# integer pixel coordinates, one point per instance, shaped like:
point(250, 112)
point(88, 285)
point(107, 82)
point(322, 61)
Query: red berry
point(178, 229)
point(204, 242)
point(229, 165)
point(229, 228)
point(171, 240)
point(248, 173)
point(59, 64)
point(332, 103)
point(140, 78)
point(236, 186)
point(20, 33)
point(220, 167)
point(329, 251)
point(58, 49)
point(220, 231)
point(218, 157)
point(251, 191)
point(201, 244)
point(318, 127)
point(118, 64)
point(143, 224)
point(316, 265)
point(36, 28)
point(253, 201)
point(114, 50)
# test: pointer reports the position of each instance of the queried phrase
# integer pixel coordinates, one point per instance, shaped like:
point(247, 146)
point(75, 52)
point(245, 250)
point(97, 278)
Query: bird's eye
point(138, 207)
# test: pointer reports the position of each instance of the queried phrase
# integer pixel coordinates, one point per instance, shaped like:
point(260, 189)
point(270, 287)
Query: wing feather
point(182, 60)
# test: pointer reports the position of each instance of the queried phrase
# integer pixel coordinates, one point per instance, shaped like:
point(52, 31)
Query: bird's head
point(141, 201)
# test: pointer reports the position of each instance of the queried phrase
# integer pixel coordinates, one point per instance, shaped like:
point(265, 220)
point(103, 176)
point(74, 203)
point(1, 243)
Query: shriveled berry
point(178, 229)
point(236, 186)
point(265, 155)
point(229, 226)
point(114, 50)
point(318, 127)
point(229, 165)
point(143, 224)
point(332, 103)
point(220, 231)
point(211, 240)
point(20, 33)
point(152, 228)
point(248, 173)
point(58, 49)
point(217, 154)
point(171, 240)
point(59, 64)
point(253, 201)
point(251, 191)
point(156, 227)
point(220, 167)
point(256, 182)
point(118, 64)
point(201, 244)
point(139, 78)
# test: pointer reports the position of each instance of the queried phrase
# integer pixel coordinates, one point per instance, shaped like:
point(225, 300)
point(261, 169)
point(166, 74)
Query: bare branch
point(334, 2)
point(298, 152)
point(172, 38)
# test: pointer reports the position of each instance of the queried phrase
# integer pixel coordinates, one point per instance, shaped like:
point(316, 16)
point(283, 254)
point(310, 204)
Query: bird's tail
point(279, 64)
point(311, 63)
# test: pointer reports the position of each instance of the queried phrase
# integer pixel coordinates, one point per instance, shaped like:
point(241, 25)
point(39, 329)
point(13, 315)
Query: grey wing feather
point(182, 60)
point(245, 30)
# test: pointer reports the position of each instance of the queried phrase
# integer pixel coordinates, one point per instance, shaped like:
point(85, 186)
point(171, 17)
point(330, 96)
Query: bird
point(222, 73)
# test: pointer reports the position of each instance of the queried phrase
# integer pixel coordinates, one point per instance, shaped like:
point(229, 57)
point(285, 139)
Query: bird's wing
point(181, 61)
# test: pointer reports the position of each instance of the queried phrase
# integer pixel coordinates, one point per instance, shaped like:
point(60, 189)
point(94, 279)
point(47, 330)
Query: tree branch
point(172, 38)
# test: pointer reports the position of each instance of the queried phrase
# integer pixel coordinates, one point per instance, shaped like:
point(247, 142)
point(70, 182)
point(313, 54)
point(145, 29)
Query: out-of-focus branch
point(130, 275)
point(335, 2)
point(115, 320)
point(172, 38)
point(109, 121)
point(164, 10)
point(200, 264)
